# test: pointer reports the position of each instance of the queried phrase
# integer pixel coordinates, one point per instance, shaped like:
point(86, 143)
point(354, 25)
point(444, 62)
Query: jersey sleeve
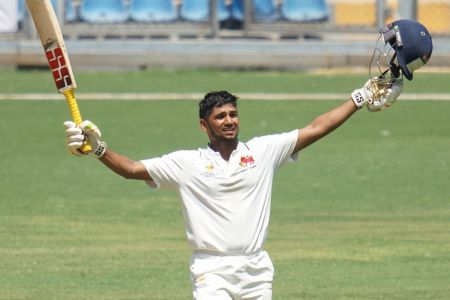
point(167, 170)
point(278, 148)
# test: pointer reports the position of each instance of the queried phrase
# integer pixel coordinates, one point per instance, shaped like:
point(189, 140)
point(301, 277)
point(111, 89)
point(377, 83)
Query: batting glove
point(377, 94)
point(74, 138)
point(393, 91)
point(387, 96)
point(363, 95)
point(93, 135)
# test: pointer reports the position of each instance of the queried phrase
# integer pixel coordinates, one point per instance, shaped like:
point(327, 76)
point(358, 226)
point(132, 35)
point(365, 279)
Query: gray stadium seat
point(103, 11)
point(153, 11)
point(305, 10)
point(265, 11)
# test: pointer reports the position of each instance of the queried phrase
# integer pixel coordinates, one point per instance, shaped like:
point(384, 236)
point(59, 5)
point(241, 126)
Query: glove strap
point(359, 98)
point(100, 150)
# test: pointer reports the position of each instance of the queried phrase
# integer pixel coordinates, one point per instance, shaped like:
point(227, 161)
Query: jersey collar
point(239, 147)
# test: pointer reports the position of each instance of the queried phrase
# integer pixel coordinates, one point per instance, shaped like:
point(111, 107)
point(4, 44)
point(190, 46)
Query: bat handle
point(76, 116)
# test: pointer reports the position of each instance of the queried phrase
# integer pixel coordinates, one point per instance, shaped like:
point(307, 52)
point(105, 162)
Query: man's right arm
point(118, 163)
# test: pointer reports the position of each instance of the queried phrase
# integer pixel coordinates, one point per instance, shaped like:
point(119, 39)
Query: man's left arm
point(324, 124)
point(376, 98)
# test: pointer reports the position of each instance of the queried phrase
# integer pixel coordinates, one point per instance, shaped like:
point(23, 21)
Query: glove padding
point(77, 135)
point(75, 138)
point(377, 94)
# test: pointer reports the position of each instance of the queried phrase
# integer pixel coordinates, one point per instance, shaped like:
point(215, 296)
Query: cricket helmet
point(406, 46)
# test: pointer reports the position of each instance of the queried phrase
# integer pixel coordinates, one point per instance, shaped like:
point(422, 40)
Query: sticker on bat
point(58, 67)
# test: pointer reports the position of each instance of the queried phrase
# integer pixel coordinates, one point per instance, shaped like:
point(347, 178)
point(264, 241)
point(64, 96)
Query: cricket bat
point(49, 31)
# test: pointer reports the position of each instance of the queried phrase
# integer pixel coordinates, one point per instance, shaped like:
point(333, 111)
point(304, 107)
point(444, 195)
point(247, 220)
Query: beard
point(225, 137)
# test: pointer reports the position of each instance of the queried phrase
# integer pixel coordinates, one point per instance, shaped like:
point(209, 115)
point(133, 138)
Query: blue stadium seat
point(199, 10)
point(195, 10)
point(103, 11)
point(21, 10)
point(70, 13)
point(153, 11)
point(265, 11)
point(305, 10)
point(234, 11)
point(223, 11)
point(237, 10)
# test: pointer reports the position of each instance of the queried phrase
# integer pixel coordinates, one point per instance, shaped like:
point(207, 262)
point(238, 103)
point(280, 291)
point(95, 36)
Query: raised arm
point(118, 163)
point(370, 95)
point(324, 124)
point(124, 166)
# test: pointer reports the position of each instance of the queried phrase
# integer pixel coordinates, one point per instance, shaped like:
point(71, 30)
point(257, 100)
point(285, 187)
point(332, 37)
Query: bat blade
point(52, 40)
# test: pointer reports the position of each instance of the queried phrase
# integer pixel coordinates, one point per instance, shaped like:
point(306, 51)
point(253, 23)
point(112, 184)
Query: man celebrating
point(226, 187)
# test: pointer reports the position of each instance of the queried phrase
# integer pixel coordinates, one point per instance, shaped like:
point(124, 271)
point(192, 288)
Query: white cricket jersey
point(225, 204)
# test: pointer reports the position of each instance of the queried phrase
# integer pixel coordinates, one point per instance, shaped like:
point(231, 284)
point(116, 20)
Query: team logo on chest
point(246, 161)
point(209, 167)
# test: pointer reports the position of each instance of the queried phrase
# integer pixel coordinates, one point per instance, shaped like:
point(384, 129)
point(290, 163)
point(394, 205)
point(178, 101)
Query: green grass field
point(364, 214)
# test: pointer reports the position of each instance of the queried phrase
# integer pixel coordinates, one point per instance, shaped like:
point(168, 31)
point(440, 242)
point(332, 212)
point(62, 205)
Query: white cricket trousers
point(216, 277)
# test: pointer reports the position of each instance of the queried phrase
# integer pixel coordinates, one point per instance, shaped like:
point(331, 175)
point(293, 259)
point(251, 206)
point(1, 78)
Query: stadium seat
point(153, 11)
point(70, 13)
point(304, 10)
point(198, 10)
point(195, 10)
point(21, 10)
point(69, 10)
point(223, 11)
point(103, 11)
point(265, 11)
point(231, 13)
point(237, 10)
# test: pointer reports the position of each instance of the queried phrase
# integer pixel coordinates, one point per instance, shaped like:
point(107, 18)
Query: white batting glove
point(391, 92)
point(93, 136)
point(363, 95)
point(74, 138)
point(377, 94)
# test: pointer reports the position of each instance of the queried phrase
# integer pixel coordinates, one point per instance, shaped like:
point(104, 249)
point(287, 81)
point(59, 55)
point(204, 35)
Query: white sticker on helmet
point(415, 64)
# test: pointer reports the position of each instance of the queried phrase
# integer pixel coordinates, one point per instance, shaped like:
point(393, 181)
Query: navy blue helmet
point(412, 45)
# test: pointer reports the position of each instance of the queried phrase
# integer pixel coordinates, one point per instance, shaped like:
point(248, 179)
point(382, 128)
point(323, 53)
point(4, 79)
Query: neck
point(225, 148)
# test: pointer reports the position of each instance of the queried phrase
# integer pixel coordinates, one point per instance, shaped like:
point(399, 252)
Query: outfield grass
point(364, 214)
point(164, 81)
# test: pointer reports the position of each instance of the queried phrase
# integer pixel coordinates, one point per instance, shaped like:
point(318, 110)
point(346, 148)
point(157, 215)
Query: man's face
point(222, 125)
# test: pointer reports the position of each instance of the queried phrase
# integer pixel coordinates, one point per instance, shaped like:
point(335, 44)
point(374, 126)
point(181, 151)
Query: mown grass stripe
point(198, 96)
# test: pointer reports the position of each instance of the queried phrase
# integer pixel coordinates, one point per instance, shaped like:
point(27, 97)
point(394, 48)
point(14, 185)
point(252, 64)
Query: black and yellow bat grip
point(76, 116)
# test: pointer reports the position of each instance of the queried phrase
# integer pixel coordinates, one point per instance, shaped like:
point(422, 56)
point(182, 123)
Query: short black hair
point(215, 99)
